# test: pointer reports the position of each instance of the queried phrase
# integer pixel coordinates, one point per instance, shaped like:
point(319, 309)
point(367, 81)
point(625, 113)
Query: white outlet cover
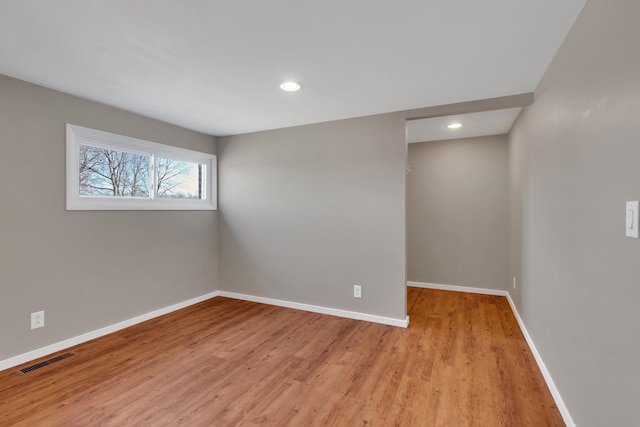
point(357, 291)
point(37, 320)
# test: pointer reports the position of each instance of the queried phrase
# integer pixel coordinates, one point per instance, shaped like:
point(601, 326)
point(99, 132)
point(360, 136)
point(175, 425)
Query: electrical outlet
point(37, 320)
point(357, 291)
point(514, 282)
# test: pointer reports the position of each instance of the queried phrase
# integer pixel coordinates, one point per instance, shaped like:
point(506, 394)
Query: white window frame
point(78, 135)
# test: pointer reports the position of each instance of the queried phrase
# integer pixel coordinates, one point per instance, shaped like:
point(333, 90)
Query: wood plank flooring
point(462, 362)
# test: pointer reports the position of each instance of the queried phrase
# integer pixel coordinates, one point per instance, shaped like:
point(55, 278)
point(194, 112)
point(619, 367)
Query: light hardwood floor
point(462, 362)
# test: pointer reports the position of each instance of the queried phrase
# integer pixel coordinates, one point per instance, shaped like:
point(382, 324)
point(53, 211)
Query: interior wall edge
point(476, 106)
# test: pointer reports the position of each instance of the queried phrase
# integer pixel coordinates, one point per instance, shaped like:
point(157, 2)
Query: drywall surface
point(574, 157)
point(308, 212)
point(86, 269)
point(457, 212)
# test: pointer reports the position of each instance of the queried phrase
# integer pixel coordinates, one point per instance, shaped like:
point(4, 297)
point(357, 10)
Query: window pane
point(107, 172)
point(179, 180)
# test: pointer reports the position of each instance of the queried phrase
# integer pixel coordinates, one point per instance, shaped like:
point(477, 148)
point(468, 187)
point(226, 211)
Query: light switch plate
point(631, 219)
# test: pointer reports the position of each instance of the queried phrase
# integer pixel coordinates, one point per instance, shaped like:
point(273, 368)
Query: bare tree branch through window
point(107, 172)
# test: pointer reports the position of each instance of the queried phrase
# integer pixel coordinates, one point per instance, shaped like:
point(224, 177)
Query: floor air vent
point(44, 363)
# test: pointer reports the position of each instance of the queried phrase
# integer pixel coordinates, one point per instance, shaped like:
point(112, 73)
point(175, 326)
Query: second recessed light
point(290, 86)
point(455, 125)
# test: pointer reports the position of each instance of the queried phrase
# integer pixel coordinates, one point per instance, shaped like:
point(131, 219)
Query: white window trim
point(78, 135)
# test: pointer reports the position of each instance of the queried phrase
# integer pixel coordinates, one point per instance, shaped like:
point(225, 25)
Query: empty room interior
point(221, 213)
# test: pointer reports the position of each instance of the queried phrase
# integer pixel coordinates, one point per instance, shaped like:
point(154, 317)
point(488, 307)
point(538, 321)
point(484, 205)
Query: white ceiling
point(496, 122)
point(215, 65)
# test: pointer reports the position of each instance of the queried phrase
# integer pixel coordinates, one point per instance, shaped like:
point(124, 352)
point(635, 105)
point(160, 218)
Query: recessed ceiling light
point(290, 86)
point(455, 125)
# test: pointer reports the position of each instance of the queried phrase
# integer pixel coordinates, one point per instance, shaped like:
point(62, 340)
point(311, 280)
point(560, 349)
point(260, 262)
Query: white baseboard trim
point(59, 346)
point(564, 411)
point(403, 323)
point(456, 288)
point(54, 348)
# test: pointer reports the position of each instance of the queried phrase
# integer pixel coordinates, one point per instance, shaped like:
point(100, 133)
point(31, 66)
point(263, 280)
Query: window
point(106, 171)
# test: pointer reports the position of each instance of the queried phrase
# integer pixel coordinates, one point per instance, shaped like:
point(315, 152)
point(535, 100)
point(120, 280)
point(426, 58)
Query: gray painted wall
point(310, 211)
point(87, 269)
point(574, 161)
point(457, 212)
